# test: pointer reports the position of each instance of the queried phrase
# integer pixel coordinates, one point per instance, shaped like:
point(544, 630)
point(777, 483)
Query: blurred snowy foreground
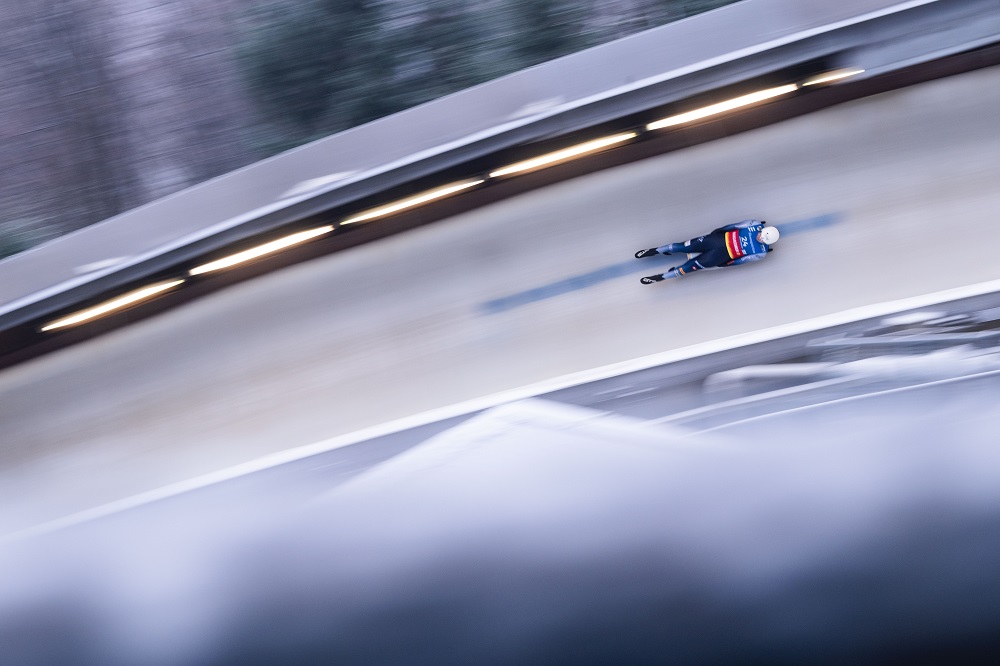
point(539, 532)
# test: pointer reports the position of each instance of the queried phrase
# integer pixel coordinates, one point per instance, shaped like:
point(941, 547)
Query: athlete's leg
point(669, 248)
point(694, 245)
point(689, 266)
point(711, 259)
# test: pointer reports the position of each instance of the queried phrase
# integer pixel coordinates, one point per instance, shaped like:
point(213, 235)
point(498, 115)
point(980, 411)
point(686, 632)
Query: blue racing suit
point(726, 246)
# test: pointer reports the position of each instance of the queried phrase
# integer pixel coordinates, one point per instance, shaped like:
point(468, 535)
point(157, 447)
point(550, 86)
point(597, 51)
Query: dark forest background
point(110, 104)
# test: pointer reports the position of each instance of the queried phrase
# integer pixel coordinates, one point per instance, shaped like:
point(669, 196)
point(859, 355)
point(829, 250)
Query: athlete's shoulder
point(742, 224)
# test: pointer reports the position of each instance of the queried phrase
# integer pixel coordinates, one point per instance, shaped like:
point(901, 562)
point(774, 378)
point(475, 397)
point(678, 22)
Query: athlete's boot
point(651, 279)
point(646, 253)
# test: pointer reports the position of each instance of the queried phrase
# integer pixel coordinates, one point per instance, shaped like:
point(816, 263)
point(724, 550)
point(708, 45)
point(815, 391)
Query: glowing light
point(410, 202)
point(834, 75)
point(112, 305)
point(261, 250)
point(722, 107)
point(563, 155)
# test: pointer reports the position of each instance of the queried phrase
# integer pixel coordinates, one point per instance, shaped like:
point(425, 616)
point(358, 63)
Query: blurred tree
point(692, 7)
point(651, 13)
point(73, 64)
point(547, 29)
point(111, 103)
point(185, 108)
point(313, 68)
point(20, 235)
point(437, 47)
point(62, 132)
point(322, 66)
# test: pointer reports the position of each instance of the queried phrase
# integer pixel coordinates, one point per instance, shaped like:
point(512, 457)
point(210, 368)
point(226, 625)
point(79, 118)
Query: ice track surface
point(883, 198)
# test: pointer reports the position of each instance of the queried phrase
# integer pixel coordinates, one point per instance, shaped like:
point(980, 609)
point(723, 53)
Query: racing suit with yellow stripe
point(726, 246)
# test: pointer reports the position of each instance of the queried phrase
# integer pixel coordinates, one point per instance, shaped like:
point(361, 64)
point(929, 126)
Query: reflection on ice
point(905, 349)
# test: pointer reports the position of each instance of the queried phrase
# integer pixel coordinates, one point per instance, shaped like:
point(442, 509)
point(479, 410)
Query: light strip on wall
point(563, 155)
point(112, 305)
point(410, 202)
point(722, 107)
point(835, 75)
point(261, 250)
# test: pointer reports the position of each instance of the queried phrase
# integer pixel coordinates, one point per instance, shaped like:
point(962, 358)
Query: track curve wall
point(411, 322)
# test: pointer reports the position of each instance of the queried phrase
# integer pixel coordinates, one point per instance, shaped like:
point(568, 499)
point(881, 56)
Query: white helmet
point(769, 235)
